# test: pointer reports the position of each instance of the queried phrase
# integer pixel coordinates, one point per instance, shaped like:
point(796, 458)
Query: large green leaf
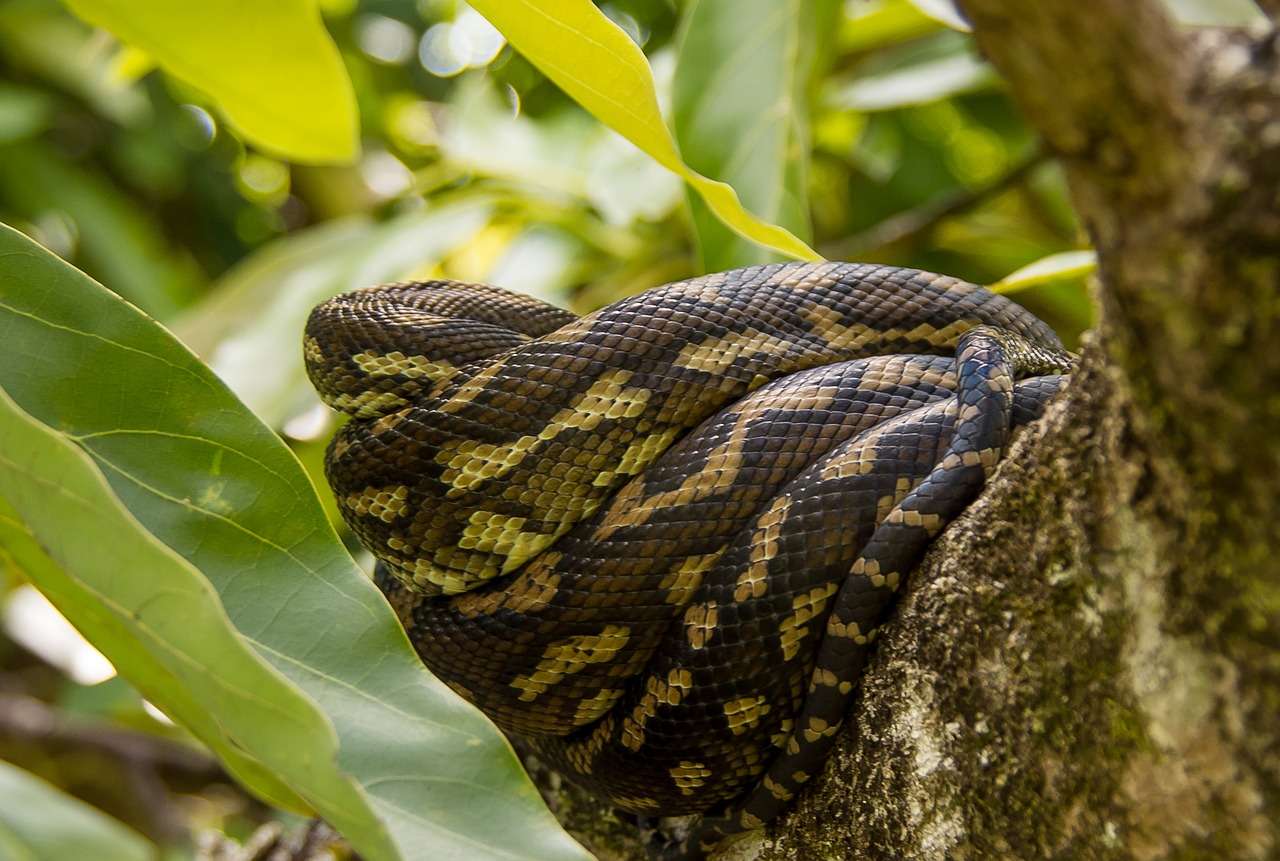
point(39, 822)
point(597, 64)
point(192, 488)
point(154, 661)
point(869, 26)
point(740, 116)
point(944, 11)
point(271, 67)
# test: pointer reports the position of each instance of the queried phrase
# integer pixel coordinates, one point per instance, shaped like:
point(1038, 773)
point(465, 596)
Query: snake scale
point(658, 540)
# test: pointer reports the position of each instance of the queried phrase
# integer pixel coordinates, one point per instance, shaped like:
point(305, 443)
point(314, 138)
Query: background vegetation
point(223, 173)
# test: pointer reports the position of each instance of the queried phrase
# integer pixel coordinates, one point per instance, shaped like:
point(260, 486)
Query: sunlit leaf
point(739, 113)
point(597, 64)
point(133, 465)
point(944, 11)
point(1055, 267)
point(42, 38)
point(567, 154)
point(865, 27)
point(271, 67)
point(40, 822)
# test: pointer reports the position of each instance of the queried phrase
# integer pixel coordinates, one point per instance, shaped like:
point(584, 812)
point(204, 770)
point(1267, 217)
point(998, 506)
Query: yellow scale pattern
point(525, 495)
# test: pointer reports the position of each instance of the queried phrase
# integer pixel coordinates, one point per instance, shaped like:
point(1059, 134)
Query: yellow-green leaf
point(597, 64)
point(1055, 267)
point(271, 67)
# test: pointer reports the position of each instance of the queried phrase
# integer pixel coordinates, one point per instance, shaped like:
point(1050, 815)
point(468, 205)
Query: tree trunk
point(1087, 664)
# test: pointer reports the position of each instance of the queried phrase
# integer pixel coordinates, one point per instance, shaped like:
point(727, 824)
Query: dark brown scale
point(748, 326)
point(621, 569)
point(667, 638)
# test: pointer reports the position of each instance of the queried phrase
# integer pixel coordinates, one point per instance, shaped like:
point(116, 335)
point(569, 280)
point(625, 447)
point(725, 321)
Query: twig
point(909, 225)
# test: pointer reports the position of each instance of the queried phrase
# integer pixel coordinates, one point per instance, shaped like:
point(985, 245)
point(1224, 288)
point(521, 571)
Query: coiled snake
point(658, 540)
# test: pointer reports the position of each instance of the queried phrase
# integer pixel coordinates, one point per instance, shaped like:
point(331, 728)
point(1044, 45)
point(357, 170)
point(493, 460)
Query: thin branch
point(1108, 83)
point(1271, 8)
point(141, 758)
point(34, 722)
point(907, 226)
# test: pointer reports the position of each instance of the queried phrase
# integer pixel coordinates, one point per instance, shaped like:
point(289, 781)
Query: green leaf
point(1055, 267)
point(1216, 13)
point(110, 626)
point(945, 12)
point(597, 64)
point(740, 116)
point(918, 84)
point(39, 822)
point(113, 237)
point(176, 487)
point(271, 67)
point(866, 27)
point(172, 613)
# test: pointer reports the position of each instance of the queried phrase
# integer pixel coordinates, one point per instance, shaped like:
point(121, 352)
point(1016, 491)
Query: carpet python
point(658, 540)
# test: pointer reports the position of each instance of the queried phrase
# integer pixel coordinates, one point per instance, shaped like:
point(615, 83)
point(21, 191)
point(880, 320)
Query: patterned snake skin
point(657, 541)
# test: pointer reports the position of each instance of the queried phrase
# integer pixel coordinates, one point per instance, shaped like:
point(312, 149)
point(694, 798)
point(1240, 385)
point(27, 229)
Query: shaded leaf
point(944, 11)
point(40, 822)
point(870, 26)
point(55, 500)
point(119, 401)
point(597, 64)
point(918, 84)
point(271, 67)
point(114, 631)
point(739, 113)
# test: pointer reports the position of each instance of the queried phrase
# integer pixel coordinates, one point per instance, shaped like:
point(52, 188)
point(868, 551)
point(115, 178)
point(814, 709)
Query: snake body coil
point(658, 540)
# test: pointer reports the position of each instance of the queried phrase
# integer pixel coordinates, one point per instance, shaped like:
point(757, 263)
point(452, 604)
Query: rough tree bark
point(1087, 665)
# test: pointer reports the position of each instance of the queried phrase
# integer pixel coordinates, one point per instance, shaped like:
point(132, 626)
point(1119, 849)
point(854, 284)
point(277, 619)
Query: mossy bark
point(1087, 664)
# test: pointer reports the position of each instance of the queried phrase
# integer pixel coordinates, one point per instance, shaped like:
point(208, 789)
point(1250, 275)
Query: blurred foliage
point(869, 128)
